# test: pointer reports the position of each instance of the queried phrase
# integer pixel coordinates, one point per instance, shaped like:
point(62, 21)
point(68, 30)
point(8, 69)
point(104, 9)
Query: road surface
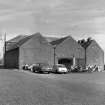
point(26, 88)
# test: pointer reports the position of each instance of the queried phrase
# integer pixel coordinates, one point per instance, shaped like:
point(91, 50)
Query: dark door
point(66, 61)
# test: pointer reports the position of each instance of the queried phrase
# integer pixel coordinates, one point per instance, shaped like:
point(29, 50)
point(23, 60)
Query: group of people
point(92, 68)
point(89, 68)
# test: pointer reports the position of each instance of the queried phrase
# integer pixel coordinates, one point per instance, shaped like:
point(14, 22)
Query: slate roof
point(17, 41)
point(17, 38)
point(21, 39)
point(58, 41)
point(50, 39)
point(94, 42)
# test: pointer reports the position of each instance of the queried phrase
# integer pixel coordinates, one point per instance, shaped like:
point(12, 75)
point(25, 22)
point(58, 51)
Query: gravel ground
point(26, 88)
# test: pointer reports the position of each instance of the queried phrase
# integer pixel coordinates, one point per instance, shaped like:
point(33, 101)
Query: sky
point(78, 18)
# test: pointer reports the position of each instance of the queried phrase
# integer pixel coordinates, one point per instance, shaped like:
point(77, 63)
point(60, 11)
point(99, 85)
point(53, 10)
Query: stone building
point(95, 55)
point(28, 50)
point(68, 51)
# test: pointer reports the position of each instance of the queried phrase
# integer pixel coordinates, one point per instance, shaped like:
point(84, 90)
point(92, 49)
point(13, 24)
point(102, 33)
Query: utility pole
point(79, 51)
point(4, 49)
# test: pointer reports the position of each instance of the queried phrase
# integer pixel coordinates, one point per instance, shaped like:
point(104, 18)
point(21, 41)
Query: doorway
point(68, 62)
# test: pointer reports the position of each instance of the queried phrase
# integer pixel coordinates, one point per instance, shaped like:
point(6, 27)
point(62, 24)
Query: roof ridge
point(17, 38)
point(93, 40)
point(19, 42)
point(60, 40)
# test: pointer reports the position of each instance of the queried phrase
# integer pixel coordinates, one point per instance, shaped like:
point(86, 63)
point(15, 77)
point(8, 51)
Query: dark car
point(42, 68)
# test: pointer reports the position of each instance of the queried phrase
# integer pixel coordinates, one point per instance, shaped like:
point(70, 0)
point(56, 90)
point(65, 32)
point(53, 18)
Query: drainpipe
point(54, 48)
point(85, 58)
point(73, 60)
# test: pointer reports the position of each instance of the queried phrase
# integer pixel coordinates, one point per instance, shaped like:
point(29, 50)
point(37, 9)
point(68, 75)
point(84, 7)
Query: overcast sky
point(79, 18)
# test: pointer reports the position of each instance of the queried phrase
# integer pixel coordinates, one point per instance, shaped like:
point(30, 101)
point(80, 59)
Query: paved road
point(26, 88)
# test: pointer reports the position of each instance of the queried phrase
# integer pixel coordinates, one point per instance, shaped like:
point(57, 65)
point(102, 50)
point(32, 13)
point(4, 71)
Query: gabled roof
point(58, 41)
point(17, 38)
point(21, 39)
point(94, 42)
point(13, 43)
point(50, 39)
point(18, 41)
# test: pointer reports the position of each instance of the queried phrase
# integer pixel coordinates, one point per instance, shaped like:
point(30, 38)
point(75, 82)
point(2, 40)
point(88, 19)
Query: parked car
point(60, 68)
point(42, 68)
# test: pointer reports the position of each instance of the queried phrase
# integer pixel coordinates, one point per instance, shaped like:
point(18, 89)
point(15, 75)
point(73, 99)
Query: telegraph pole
point(4, 49)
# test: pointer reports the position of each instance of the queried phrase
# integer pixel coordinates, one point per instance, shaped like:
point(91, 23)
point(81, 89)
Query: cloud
point(77, 17)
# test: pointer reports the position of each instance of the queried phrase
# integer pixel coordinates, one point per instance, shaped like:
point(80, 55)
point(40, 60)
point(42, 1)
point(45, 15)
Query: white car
point(60, 68)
